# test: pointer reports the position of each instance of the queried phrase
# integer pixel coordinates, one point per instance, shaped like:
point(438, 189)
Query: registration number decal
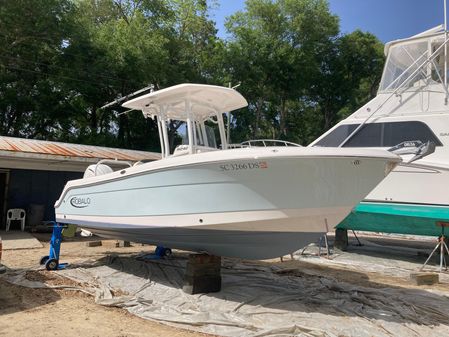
point(244, 166)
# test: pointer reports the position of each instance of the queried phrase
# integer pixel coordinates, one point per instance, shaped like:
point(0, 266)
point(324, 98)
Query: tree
point(30, 98)
point(362, 58)
point(137, 43)
point(348, 78)
point(66, 58)
point(299, 75)
point(275, 51)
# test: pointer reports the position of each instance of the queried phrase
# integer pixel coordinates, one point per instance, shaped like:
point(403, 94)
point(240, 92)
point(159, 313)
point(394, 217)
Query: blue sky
point(387, 19)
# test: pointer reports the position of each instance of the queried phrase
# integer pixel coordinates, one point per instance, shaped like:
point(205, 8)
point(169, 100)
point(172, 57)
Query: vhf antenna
point(445, 49)
point(127, 97)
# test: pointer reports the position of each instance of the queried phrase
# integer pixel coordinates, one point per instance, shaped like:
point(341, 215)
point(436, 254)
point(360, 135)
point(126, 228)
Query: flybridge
point(416, 62)
point(413, 65)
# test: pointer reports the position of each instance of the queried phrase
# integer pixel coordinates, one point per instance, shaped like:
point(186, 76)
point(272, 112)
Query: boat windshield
point(204, 135)
point(407, 65)
point(380, 134)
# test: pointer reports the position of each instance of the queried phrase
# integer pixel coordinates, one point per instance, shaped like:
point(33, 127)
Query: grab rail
point(264, 142)
point(111, 161)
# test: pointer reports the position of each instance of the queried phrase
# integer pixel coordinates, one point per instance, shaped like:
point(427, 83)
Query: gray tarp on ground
point(257, 301)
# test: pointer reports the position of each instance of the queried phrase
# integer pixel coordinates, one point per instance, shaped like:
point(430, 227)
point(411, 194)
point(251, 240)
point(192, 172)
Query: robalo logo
point(80, 202)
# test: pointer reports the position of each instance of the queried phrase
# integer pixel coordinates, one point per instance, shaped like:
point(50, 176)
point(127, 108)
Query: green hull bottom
point(396, 218)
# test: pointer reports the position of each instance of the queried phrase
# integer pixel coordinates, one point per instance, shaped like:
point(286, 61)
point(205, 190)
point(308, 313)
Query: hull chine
point(239, 244)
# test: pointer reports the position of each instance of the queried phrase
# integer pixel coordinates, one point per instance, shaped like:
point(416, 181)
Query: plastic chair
point(15, 214)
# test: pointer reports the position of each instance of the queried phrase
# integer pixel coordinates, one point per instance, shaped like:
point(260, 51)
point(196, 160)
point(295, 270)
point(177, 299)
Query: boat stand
point(323, 239)
point(203, 274)
point(51, 261)
point(159, 253)
point(359, 244)
point(442, 246)
point(326, 245)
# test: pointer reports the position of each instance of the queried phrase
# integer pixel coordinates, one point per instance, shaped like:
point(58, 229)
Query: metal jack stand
point(51, 261)
point(320, 246)
point(322, 238)
point(443, 248)
point(326, 245)
point(359, 244)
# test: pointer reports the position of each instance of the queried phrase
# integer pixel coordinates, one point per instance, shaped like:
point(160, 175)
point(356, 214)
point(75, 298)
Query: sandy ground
point(42, 312)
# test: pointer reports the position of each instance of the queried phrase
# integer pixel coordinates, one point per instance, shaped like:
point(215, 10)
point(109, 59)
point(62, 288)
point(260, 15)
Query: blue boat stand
point(159, 253)
point(51, 261)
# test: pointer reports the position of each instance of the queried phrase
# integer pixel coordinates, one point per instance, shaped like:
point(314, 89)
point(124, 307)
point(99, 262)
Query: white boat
point(412, 104)
point(250, 202)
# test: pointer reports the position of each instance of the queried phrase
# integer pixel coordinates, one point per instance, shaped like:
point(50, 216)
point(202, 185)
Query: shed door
point(3, 193)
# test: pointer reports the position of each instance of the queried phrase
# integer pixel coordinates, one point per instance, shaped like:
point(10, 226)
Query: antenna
point(228, 115)
point(125, 98)
point(125, 112)
point(445, 49)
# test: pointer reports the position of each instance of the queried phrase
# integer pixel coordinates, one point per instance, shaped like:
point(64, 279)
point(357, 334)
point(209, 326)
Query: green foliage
point(299, 75)
point(31, 34)
point(65, 58)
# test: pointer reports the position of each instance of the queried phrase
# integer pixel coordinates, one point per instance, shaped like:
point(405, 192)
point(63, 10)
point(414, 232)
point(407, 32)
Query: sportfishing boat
point(251, 202)
point(411, 105)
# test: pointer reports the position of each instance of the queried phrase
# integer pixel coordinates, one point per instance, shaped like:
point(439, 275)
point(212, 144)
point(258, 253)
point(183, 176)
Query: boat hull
point(397, 218)
point(251, 234)
point(411, 200)
point(231, 243)
point(249, 207)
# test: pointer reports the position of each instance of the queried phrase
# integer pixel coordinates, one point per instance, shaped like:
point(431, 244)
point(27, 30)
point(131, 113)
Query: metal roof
point(41, 152)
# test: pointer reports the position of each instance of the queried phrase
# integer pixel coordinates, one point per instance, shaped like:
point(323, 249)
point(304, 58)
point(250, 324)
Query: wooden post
point(341, 239)
point(203, 274)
